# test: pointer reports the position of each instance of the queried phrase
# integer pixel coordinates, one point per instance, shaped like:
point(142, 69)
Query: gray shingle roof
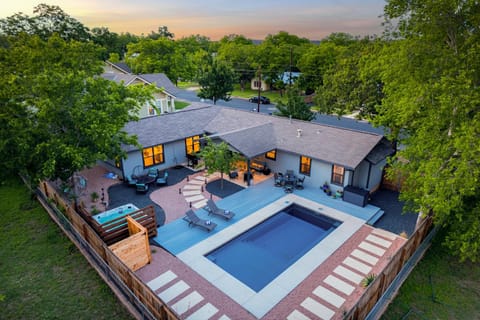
point(161, 81)
point(256, 133)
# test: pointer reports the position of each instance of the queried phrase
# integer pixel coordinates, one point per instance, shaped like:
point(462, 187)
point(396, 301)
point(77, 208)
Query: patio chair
point(153, 173)
point(212, 208)
point(163, 180)
point(279, 180)
point(131, 181)
point(194, 221)
point(142, 187)
point(299, 183)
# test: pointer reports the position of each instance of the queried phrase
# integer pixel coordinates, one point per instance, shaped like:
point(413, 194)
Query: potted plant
point(94, 196)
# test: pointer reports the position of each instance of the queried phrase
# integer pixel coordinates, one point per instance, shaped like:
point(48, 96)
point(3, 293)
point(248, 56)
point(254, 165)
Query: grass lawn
point(274, 96)
point(43, 274)
point(179, 105)
point(186, 84)
point(440, 287)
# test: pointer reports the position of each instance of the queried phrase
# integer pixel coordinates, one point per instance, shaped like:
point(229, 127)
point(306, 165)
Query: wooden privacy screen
point(134, 251)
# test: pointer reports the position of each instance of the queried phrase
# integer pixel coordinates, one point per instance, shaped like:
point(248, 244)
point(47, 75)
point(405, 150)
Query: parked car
point(263, 100)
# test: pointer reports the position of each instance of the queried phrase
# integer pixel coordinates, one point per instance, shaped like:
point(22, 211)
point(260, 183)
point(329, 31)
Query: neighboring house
point(321, 153)
point(255, 83)
point(285, 77)
point(164, 100)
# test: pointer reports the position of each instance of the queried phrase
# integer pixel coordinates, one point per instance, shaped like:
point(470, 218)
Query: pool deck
point(322, 285)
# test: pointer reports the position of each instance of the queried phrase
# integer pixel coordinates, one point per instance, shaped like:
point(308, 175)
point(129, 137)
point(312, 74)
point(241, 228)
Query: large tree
point(57, 115)
point(295, 106)
point(48, 20)
point(218, 158)
point(431, 77)
point(217, 82)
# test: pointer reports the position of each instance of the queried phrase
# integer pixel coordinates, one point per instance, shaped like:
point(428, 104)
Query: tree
point(48, 20)
point(161, 33)
point(295, 106)
point(238, 53)
point(217, 82)
point(218, 158)
point(431, 77)
point(57, 120)
point(351, 83)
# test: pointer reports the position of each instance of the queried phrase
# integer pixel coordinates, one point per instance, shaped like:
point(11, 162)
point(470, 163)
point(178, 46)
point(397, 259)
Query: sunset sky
point(313, 19)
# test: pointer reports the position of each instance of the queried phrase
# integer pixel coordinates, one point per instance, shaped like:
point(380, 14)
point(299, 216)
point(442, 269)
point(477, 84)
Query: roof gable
point(253, 134)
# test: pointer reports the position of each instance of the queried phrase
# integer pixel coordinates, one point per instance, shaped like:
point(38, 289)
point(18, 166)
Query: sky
point(255, 19)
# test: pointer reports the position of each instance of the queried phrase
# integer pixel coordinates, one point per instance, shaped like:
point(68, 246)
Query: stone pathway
point(182, 298)
point(327, 298)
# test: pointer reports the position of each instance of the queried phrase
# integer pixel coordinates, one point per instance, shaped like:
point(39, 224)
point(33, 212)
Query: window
point(153, 155)
point(192, 144)
point(305, 165)
point(257, 84)
point(151, 111)
point(272, 155)
point(338, 173)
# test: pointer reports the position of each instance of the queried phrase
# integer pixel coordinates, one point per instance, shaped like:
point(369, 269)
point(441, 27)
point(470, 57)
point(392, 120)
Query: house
point(164, 100)
point(255, 83)
point(322, 153)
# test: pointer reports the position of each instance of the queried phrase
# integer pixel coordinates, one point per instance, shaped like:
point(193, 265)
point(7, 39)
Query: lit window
point(338, 173)
point(305, 165)
point(153, 155)
point(272, 155)
point(192, 144)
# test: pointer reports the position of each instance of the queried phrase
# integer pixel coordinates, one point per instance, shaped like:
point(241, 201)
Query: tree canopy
point(295, 106)
point(218, 157)
point(431, 78)
point(57, 115)
point(217, 82)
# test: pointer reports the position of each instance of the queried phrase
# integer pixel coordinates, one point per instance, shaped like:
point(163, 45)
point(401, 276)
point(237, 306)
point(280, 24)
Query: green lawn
point(181, 104)
point(43, 275)
point(274, 96)
point(186, 84)
point(439, 287)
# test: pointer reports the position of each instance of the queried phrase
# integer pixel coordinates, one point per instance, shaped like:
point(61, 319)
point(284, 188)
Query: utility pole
point(259, 87)
point(291, 63)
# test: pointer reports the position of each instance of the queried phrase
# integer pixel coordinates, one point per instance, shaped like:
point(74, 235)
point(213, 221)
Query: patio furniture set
point(289, 181)
point(212, 209)
point(142, 183)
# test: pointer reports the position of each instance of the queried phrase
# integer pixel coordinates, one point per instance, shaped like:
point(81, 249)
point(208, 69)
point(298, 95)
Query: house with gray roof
point(164, 99)
point(322, 153)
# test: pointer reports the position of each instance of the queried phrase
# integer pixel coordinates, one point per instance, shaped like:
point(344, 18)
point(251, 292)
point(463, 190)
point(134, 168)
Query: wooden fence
point(161, 311)
point(145, 295)
point(378, 287)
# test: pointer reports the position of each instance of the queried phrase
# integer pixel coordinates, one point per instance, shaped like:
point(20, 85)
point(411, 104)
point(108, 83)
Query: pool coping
point(262, 302)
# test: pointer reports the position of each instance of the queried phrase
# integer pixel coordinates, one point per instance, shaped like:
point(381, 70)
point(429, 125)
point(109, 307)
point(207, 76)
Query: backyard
point(44, 276)
point(438, 288)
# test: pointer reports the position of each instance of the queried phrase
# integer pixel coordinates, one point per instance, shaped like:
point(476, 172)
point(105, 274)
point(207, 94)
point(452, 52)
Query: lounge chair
point(162, 180)
point(212, 208)
point(193, 220)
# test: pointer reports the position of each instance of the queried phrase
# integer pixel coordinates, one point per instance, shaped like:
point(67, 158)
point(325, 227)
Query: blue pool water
point(117, 212)
point(260, 254)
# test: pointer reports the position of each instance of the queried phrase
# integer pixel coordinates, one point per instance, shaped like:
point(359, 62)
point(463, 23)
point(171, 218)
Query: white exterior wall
point(361, 175)
point(376, 175)
point(319, 173)
point(174, 153)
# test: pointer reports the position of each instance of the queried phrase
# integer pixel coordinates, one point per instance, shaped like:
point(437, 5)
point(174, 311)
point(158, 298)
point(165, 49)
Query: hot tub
point(114, 213)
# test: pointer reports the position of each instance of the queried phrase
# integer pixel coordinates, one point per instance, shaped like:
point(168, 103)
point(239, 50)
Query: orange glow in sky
point(215, 18)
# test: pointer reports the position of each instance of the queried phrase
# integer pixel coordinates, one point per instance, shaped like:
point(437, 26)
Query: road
point(331, 120)
point(238, 103)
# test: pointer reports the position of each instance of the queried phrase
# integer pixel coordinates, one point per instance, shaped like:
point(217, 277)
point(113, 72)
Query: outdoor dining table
point(146, 179)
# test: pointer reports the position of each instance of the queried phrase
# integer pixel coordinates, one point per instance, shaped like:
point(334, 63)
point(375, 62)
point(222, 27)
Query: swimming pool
point(114, 213)
point(259, 255)
point(259, 303)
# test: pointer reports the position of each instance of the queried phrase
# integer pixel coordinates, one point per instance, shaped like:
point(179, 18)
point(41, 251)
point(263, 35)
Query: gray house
point(322, 153)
